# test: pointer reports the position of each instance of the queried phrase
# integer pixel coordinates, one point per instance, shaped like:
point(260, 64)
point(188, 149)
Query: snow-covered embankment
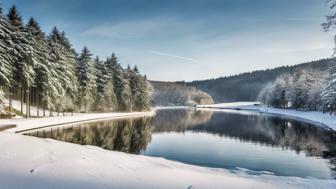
point(319, 118)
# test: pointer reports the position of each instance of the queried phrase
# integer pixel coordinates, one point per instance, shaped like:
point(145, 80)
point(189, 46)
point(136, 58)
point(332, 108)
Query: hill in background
point(246, 86)
point(173, 94)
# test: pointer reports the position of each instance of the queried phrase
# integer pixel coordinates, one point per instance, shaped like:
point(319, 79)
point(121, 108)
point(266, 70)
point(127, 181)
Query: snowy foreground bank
point(319, 118)
point(36, 163)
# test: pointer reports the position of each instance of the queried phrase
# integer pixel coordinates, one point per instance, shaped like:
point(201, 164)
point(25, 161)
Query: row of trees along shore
point(45, 71)
point(304, 90)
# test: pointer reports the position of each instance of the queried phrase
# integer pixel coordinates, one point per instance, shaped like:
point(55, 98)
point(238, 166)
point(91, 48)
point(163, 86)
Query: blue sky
point(190, 39)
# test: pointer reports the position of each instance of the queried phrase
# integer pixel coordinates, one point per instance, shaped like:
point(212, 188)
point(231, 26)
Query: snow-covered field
point(33, 163)
point(321, 119)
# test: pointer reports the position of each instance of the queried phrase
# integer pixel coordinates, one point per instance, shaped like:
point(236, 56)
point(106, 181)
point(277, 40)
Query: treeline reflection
point(133, 135)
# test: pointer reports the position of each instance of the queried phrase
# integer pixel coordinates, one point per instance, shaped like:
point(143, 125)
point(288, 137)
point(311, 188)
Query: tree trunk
point(22, 98)
point(10, 98)
point(27, 101)
point(37, 103)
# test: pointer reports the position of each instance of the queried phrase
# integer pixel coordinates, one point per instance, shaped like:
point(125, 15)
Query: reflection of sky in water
point(214, 151)
point(224, 139)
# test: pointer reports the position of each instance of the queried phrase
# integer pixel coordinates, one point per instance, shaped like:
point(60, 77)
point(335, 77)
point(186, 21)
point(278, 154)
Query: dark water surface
point(233, 140)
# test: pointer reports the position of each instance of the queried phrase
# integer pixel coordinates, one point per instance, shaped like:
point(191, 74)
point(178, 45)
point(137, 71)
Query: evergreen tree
point(328, 95)
point(87, 79)
point(6, 60)
point(37, 58)
point(115, 74)
point(110, 98)
point(101, 82)
point(21, 53)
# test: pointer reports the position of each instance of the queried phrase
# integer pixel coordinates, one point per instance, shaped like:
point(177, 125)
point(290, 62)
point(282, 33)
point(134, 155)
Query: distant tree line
point(303, 90)
point(246, 86)
point(45, 71)
point(173, 94)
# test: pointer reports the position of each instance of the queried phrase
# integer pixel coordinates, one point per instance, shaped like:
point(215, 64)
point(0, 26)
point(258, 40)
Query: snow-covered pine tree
point(43, 68)
point(69, 64)
point(115, 74)
point(143, 97)
point(134, 83)
point(57, 78)
point(140, 89)
point(23, 64)
point(101, 82)
point(87, 79)
point(6, 61)
point(110, 98)
point(125, 92)
point(328, 96)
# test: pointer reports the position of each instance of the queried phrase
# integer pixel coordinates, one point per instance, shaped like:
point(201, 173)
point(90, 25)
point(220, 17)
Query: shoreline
point(26, 124)
point(322, 120)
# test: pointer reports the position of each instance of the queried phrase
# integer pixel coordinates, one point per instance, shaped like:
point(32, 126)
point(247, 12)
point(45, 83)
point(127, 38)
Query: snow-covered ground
point(35, 163)
point(321, 119)
point(31, 123)
point(33, 110)
point(32, 163)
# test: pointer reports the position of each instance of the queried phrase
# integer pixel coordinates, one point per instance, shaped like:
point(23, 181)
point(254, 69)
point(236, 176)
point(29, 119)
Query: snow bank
point(32, 123)
point(319, 118)
point(34, 163)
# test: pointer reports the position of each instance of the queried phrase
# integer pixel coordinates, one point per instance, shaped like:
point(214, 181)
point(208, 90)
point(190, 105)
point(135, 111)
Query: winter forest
point(305, 89)
point(45, 71)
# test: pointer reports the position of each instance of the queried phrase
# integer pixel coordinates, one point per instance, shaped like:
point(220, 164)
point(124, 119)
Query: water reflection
point(130, 136)
point(222, 138)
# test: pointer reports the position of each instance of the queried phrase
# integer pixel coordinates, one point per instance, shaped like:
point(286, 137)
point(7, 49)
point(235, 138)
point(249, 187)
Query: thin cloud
point(174, 56)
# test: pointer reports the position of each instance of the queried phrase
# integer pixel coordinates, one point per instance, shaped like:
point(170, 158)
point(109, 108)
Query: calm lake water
point(234, 140)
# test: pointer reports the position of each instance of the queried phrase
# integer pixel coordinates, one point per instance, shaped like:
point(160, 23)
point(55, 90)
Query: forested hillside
point(44, 70)
point(172, 94)
point(246, 86)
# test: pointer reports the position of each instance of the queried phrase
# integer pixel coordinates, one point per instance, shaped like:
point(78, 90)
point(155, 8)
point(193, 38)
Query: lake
point(234, 140)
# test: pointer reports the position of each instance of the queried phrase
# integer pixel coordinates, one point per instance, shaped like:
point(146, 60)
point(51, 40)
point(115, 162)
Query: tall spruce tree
point(6, 60)
point(23, 64)
point(101, 82)
point(87, 80)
